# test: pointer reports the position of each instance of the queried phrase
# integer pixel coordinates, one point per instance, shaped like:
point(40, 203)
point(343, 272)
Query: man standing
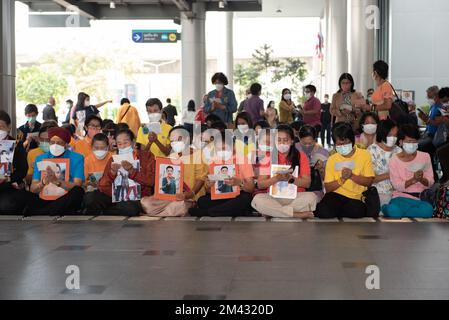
point(171, 112)
point(312, 109)
point(242, 104)
point(254, 105)
point(326, 121)
point(49, 110)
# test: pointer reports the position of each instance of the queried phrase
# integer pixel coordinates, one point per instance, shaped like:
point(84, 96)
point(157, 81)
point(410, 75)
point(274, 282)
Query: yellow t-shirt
point(163, 138)
point(84, 147)
point(362, 166)
point(31, 157)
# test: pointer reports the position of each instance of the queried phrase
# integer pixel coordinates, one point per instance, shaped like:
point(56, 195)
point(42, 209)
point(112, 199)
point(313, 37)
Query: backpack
point(441, 207)
point(399, 111)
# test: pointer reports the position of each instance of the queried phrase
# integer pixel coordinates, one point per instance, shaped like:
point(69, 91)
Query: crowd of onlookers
point(373, 158)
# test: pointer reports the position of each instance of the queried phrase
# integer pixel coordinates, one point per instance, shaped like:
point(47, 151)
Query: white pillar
point(193, 55)
point(226, 52)
point(8, 60)
point(361, 45)
point(337, 47)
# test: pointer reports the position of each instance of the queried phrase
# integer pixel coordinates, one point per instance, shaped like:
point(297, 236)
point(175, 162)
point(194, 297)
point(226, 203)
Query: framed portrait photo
point(61, 169)
point(219, 173)
point(169, 179)
point(283, 189)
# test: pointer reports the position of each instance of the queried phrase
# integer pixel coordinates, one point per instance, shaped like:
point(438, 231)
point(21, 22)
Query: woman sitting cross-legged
point(241, 204)
point(305, 202)
point(410, 174)
point(195, 172)
point(349, 173)
point(123, 184)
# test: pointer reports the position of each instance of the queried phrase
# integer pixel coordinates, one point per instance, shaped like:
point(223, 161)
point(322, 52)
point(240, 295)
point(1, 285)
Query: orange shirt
point(382, 93)
point(94, 166)
point(84, 147)
point(128, 114)
point(31, 157)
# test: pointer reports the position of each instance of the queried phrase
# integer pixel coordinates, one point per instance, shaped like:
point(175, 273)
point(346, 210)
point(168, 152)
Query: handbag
point(399, 111)
point(372, 201)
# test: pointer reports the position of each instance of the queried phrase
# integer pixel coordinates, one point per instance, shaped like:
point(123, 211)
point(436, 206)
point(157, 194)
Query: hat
point(61, 133)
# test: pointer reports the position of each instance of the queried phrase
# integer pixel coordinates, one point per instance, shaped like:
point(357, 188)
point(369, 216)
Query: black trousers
point(30, 204)
point(98, 203)
point(237, 207)
point(10, 201)
point(443, 157)
point(326, 133)
point(335, 205)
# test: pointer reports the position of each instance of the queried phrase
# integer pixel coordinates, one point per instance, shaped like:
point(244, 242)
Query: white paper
point(118, 158)
point(283, 190)
point(33, 135)
point(317, 157)
point(154, 127)
point(339, 166)
point(415, 167)
point(43, 165)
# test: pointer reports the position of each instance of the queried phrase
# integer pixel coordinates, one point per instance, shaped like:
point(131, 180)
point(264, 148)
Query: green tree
point(35, 85)
point(244, 76)
point(263, 59)
point(294, 69)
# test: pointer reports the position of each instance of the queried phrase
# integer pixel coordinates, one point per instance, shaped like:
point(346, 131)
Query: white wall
point(419, 45)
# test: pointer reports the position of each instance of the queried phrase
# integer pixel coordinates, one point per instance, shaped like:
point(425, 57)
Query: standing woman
point(221, 101)
point(382, 98)
point(347, 102)
point(286, 107)
point(188, 116)
point(83, 104)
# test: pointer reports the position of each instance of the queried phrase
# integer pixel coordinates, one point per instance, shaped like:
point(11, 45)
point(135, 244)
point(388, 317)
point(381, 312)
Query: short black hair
point(121, 126)
point(383, 130)
point(47, 125)
point(343, 131)
point(224, 168)
point(5, 117)
point(297, 125)
point(128, 132)
point(219, 125)
point(169, 167)
point(311, 87)
point(100, 137)
point(30, 108)
point(381, 68)
point(70, 127)
point(93, 117)
point(220, 77)
point(124, 100)
point(443, 93)
point(263, 124)
point(213, 118)
point(409, 130)
point(106, 122)
point(168, 100)
point(70, 101)
point(153, 101)
point(255, 88)
point(367, 115)
point(307, 131)
point(245, 116)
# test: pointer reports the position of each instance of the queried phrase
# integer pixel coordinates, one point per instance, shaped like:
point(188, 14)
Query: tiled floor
point(184, 259)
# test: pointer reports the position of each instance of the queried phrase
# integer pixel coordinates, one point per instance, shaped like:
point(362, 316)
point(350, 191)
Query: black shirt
point(49, 113)
point(24, 130)
point(326, 116)
point(171, 114)
point(19, 166)
point(90, 110)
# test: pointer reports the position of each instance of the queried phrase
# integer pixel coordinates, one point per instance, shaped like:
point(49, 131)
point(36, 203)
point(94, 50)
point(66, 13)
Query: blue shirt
point(228, 100)
point(76, 164)
point(434, 112)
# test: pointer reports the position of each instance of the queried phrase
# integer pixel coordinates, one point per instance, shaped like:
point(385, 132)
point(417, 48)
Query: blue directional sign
point(155, 36)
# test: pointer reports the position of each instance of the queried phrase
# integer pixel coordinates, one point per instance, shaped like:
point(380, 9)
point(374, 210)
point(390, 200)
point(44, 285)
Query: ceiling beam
point(182, 5)
point(86, 9)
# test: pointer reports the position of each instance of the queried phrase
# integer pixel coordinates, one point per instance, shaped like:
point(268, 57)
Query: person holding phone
point(221, 101)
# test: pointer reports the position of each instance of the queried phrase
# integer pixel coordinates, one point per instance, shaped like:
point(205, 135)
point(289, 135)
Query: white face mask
point(178, 146)
point(154, 117)
point(248, 96)
point(287, 96)
point(308, 96)
point(3, 134)
point(224, 154)
point(100, 154)
point(243, 128)
point(410, 148)
point(219, 87)
point(345, 149)
point(126, 150)
point(283, 148)
point(370, 128)
point(265, 148)
point(56, 150)
point(391, 141)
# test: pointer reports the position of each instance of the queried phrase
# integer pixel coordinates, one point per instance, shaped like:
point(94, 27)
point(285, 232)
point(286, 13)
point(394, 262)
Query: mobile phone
point(420, 110)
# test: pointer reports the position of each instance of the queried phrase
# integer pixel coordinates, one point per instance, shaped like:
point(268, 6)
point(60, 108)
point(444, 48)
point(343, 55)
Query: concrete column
point(8, 60)
point(193, 55)
point(361, 45)
point(337, 47)
point(226, 52)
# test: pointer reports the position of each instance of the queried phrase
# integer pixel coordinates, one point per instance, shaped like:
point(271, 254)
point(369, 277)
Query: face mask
point(56, 150)
point(431, 102)
point(44, 146)
point(126, 150)
point(224, 154)
point(243, 128)
point(283, 148)
point(154, 117)
point(92, 132)
point(410, 148)
point(287, 96)
point(308, 149)
point(31, 120)
point(370, 128)
point(3, 134)
point(219, 87)
point(308, 96)
point(178, 146)
point(265, 148)
point(100, 154)
point(391, 141)
point(344, 150)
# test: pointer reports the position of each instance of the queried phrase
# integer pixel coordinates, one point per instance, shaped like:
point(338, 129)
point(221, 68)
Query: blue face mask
point(126, 150)
point(44, 146)
point(344, 150)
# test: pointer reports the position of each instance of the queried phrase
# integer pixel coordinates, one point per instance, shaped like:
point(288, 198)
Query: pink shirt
point(401, 171)
point(313, 104)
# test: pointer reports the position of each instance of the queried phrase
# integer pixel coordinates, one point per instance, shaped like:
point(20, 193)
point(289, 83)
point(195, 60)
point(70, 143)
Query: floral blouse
point(381, 160)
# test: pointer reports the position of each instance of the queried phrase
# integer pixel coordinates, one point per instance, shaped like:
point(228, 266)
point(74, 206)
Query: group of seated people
point(101, 176)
